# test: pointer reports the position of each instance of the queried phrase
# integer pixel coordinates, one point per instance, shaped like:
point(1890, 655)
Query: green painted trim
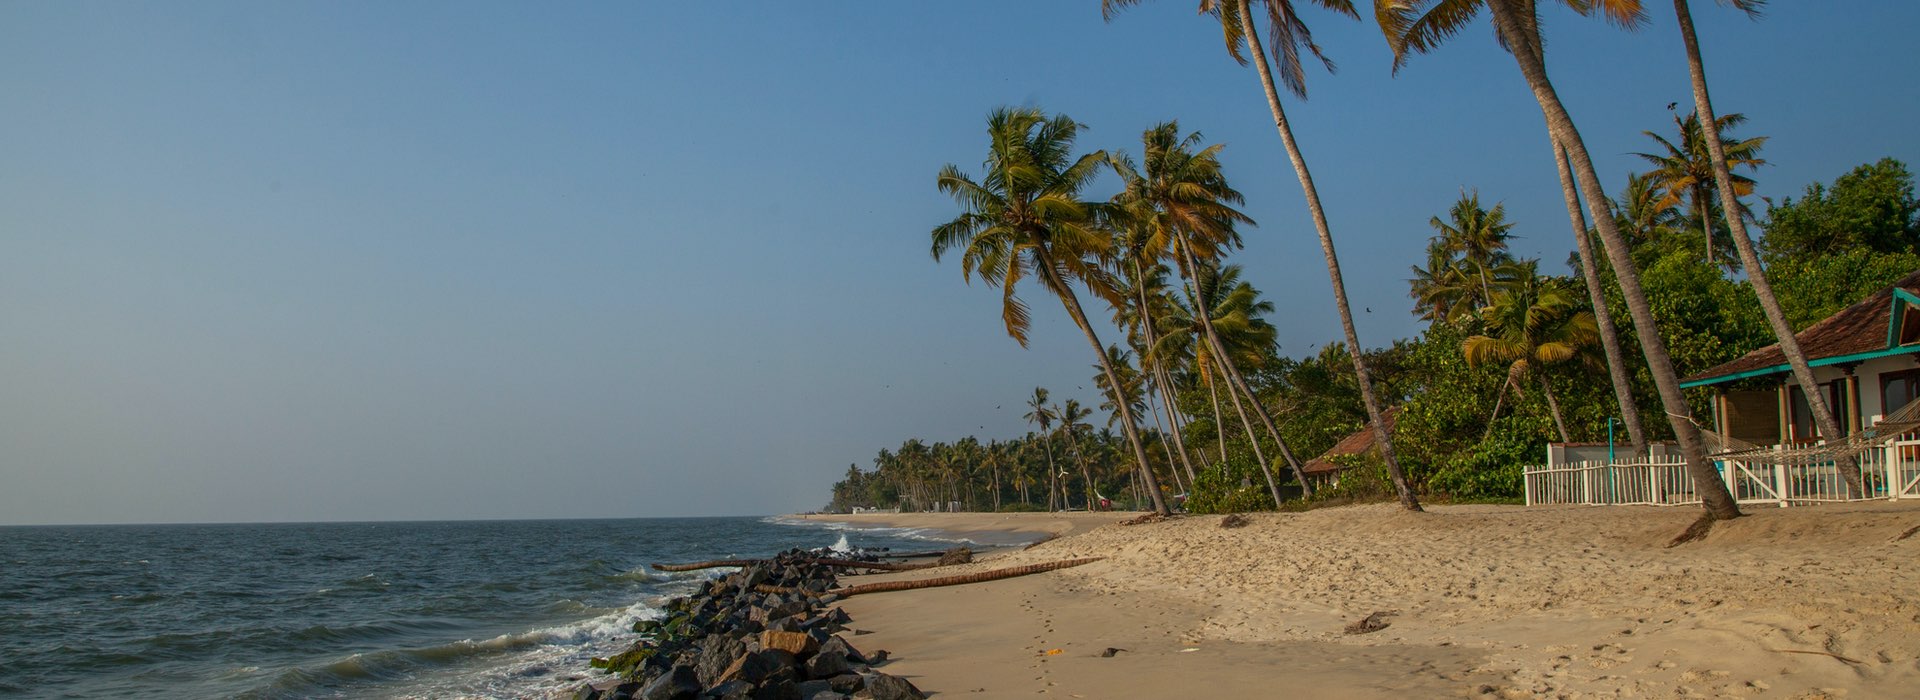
point(1822, 362)
point(1901, 298)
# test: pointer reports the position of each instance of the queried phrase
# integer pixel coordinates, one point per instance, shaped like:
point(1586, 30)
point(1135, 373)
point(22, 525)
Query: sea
point(483, 609)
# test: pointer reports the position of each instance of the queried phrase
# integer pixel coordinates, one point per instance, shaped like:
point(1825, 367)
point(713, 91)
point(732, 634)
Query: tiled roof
point(1860, 328)
point(1359, 442)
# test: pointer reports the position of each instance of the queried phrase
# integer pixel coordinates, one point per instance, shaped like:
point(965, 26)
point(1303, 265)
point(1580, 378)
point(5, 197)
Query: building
point(1322, 472)
point(1765, 444)
point(1866, 359)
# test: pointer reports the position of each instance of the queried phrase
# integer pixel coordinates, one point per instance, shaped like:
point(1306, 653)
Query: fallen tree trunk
point(977, 577)
point(715, 564)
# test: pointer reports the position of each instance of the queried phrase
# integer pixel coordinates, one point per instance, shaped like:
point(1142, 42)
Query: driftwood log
point(959, 579)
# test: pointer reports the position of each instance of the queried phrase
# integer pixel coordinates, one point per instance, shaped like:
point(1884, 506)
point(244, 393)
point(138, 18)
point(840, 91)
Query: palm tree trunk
point(1380, 436)
point(1259, 456)
point(1559, 421)
point(1219, 425)
point(1052, 474)
point(1072, 302)
point(1596, 292)
point(1756, 275)
point(1168, 402)
point(1236, 379)
point(1153, 360)
point(1164, 445)
point(1499, 400)
point(1715, 498)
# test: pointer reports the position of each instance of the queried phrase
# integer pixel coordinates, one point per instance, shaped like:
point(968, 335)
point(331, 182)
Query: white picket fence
point(1890, 472)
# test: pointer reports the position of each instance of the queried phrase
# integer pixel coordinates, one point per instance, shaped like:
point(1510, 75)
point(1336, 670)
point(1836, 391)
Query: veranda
point(1781, 476)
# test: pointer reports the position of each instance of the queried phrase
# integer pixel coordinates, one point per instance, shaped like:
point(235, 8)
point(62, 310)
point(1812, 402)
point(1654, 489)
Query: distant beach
point(1480, 601)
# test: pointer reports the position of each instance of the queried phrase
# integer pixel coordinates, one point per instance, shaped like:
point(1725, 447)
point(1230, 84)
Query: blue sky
point(339, 261)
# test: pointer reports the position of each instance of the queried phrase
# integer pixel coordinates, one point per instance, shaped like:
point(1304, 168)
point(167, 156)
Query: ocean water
point(354, 610)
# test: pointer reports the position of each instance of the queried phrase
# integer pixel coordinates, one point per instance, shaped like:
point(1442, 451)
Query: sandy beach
point(1481, 601)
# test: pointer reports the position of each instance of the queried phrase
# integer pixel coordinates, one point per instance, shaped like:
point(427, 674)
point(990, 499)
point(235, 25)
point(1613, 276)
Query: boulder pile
point(768, 631)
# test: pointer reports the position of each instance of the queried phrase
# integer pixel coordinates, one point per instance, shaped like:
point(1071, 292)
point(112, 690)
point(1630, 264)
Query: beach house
point(1766, 443)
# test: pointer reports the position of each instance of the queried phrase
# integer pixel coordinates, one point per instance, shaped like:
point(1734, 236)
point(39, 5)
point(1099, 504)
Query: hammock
point(1895, 424)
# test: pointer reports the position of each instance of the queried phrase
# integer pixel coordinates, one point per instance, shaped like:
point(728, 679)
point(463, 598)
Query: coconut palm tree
point(1072, 421)
point(1292, 38)
point(1722, 155)
point(1467, 262)
point(1181, 193)
point(1684, 171)
point(1145, 280)
point(1617, 373)
point(1419, 26)
point(1533, 323)
point(1040, 413)
point(1025, 217)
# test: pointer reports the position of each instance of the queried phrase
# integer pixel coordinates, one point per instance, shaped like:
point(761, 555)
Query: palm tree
point(1182, 196)
point(1532, 323)
point(1617, 373)
point(1026, 218)
point(1146, 281)
point(1467, 262)
point(1041, 414)
point(1684, 173)
point(1291, 37)
point(1072, 419)
point(1722, 154)
point(1419, 26)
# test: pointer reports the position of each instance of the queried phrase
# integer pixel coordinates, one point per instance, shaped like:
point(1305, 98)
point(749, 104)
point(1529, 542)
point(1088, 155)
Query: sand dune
point(1495, 601)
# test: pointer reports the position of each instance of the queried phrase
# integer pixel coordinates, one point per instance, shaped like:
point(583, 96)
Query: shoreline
point(1484, 601)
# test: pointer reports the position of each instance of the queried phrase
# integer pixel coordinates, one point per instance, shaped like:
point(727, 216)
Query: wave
point(925, 534)
point(539, 651)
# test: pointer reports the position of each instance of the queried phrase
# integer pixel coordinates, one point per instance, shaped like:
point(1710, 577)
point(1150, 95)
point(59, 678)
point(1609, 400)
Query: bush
point(1489, 470)
point(1234, 487)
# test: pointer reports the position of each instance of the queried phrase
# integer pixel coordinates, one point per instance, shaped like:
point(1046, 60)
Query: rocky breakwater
point(769, 631)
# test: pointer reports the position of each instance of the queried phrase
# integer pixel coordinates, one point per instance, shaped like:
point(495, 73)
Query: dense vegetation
point(1200, 402)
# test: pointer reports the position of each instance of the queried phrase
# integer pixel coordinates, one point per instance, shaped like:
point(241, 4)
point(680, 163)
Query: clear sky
point(428, 260)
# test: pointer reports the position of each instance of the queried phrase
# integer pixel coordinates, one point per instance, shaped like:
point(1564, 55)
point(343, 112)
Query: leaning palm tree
point(1722, 156)
point(1180, 192)
point(1532, 324)
point(1025, 217)
point(1291, 38)
point(1040, 413)
point(1617, 372)
point(1684, 170)
point(1072, 419)
point(1419, 26)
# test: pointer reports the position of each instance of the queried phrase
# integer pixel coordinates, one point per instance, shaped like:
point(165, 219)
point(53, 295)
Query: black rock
point(731, 690)
point(777, 690)
point(586, 692)
point(840, 646)
point(681, 683)
point(810, 689)
point(848, 683)
point(624, 691)
point(827, 664)
point(885, 687)
point(716, 656)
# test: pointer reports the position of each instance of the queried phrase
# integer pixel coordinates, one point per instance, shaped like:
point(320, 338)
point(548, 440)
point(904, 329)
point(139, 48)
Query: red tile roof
point(1360, 442)
point(1856, 329)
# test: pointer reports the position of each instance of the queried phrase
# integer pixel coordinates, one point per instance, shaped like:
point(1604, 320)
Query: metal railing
point(1890, 471)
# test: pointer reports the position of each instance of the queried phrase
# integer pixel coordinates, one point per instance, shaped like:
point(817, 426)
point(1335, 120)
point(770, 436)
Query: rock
point(879, 656)
point(829, 695)
point(827, 664)
point(716, 656)
point(848, 683)
point(885, 687)
point(780, 690)
point(798, 644)
point(752, 668)
point(841, 646)
point(812, 689)
point(731, 690)
point(586, 692)
point(784, 624)
point(681, 683)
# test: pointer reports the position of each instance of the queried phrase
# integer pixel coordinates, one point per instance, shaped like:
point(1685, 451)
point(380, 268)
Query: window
point(1909, 325)
point(1897, 389)
point(1803, 424)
